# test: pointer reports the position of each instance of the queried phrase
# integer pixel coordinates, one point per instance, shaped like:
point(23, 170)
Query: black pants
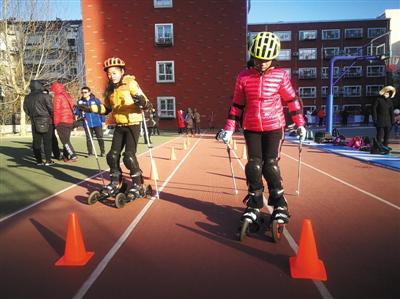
point(98, 131)
point(383, 133)
point(149, 133)
point(197, 128)
point(38, 139)
point(263, 155)
point(54, 144)
point(64, 132)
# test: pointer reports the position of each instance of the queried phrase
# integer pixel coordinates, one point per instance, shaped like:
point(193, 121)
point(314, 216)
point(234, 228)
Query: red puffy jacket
point(259, 97)
point(63, 105)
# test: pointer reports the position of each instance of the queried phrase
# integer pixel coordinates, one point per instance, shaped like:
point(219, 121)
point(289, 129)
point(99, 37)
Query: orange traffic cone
point(75, 253)
point(244, 153)
point(235, 145)
point(173, 156)
point(153, 171)
point(184, 145)
point(307, 264)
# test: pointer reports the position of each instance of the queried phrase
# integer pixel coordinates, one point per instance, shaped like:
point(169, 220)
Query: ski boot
point(115, 189)
point(250, 222)
point(279, 219)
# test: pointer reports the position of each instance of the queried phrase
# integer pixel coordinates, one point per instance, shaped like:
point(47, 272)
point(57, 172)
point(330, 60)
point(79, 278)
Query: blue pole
point(329, 99)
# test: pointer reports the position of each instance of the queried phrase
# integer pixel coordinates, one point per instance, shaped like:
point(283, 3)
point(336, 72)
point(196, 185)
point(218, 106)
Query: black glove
point(82, 106)
point(139, 100)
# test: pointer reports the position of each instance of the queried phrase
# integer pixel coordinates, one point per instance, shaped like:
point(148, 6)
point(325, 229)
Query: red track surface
point(185, 244)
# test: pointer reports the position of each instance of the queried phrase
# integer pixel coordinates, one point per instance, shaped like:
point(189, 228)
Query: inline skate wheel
point(244, 230)
point(277, 230)
point(93, 197)
point(149, 191)
point(120, 200)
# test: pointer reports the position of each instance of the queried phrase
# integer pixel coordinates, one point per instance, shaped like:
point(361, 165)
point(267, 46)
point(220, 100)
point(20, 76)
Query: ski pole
point(228, 149)
point(150, 152)
point(299, 167)
point(93, 147)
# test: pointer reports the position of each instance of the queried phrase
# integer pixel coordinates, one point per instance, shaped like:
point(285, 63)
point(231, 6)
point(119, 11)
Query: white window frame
point(308, 35)
point(304, 56)
point(336, 51)
point(348, 30)
point(368, 88)
point(335, 91)
point(282, 57)
point(159, 3)
point(370, 73)
point(357, 74)
point(352, 95)
point(284, 36)
point(358, 52)
point(335, 108)
point(304, 70)
point(312, 108)
point(325, 72)
point(158, 71)
point(313, 93)
point(324, 33)
point(380, 50)
point(370, 30)
point(161, 112)
point(157, 38)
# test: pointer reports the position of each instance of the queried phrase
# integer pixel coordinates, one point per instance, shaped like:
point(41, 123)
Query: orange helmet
point(113, 61)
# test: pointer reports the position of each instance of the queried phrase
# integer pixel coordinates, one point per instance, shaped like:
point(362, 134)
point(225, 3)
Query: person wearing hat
point(258, 95)
point(382, 114)
point(396, 123)
point(126, 100)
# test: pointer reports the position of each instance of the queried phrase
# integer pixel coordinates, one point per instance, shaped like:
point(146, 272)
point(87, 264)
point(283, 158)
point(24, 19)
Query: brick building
point(306, 48)
point(183, 53)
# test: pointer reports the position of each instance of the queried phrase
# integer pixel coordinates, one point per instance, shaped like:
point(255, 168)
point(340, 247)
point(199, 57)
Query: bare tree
point(33, 48)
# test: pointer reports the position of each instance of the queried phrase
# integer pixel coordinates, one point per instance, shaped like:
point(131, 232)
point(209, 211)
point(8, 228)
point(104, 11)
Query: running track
point(183, 245)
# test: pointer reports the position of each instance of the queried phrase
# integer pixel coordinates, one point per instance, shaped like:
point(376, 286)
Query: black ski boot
point(279, 219)
point(136, 191)
point(113, 189)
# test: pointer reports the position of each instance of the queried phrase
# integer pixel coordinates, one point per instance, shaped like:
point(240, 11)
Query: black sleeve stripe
point(241, 107)
point(292, 100)
point(234, 117)
point(295, 112)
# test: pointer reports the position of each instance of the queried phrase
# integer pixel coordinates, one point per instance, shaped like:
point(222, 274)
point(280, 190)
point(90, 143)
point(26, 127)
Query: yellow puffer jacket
point(124, 110)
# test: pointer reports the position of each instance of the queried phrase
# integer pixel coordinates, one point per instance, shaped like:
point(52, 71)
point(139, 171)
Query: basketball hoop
point(392, 64)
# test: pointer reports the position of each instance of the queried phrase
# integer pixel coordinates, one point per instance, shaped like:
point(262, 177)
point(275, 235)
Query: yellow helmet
point(113, 61)
point(265, 46)
point(389, 89)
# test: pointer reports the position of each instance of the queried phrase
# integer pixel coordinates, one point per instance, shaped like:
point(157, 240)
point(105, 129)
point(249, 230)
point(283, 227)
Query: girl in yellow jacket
point(125, 99)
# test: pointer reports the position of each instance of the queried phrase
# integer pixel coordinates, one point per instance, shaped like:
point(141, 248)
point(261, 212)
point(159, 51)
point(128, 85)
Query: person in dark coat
point(382, 114)
point(39, 107)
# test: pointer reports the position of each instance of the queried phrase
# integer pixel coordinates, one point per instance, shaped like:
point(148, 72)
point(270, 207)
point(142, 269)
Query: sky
point(272, 11)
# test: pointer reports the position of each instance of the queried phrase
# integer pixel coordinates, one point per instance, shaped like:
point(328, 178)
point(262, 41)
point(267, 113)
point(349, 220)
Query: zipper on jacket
point(259, 101)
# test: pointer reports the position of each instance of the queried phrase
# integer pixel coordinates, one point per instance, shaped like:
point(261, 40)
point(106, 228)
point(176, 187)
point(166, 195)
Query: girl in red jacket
point(258, 94)
point(64, 119)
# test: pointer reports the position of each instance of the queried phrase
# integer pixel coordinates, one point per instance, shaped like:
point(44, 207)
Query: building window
point(324, 91)
point(335, 108)
point(375, 71)
point(308, 92)
point(353, 71)
point(372, 90)
point(289, 71)
point(353, 51)
point(308, 73)
point(353, 33)
point(325, 72)
point(308, 35)
point(284, 55)
point(165, 71)
point(164, 35)
point(330, 52)
point(375, 32)
point(166, 107)
point(307, 54)
point(310, 108)
point(380, 50)
point(162, 3)
point(352, 91)
point(329, 34)
point(284, 36)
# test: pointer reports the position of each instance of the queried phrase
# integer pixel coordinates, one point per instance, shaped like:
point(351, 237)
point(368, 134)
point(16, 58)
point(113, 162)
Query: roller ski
point(116, 190)
point(279, 219)
point(250, 222)
point(135, 192)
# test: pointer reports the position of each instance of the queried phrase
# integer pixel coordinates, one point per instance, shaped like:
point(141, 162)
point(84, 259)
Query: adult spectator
point(189, 119)
point(38, 106)
point(180, 121)
point(382, 114)
point(196, 116)
point(345, 115)
point(321, 116)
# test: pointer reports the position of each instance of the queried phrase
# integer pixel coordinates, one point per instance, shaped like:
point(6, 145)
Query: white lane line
point(107, 258)
point(72, 186)
point(347, 184)
point(292, 243)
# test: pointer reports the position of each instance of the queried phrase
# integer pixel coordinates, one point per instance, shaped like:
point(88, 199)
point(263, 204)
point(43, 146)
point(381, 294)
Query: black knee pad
point(254, 174)
point(272, 174)
point(113, 157)
point(131, 162)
